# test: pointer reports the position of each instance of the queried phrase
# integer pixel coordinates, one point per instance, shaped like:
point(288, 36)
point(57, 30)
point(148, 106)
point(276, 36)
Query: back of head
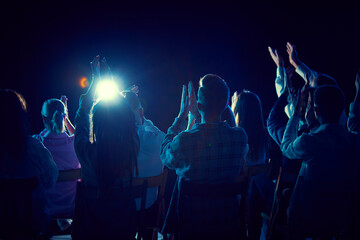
point(323, 79)
point(248, 113)
point(213, 94)
point(329, 103)
point(116, 141)
point(53, 112)
point(15, 123)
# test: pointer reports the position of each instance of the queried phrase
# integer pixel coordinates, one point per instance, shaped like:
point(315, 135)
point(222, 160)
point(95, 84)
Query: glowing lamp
point(107, 90)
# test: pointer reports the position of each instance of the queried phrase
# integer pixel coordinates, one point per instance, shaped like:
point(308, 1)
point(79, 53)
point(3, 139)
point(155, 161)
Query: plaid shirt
point(209, 153)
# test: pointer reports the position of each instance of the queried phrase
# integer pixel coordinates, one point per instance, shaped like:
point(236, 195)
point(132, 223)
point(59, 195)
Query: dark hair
point(323, 79)
point(248, 113)
point(53, 112)
point(330, 102)
point(213, 94)
point(116, 141)
point(15, 124)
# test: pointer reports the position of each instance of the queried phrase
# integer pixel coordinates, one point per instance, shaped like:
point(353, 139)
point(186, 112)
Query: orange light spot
point(84, 82)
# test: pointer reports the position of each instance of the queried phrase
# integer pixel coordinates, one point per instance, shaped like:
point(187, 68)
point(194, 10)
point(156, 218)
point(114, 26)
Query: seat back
point(16, 211)
point(69, 175)
point(93, 210)
point(158, 181)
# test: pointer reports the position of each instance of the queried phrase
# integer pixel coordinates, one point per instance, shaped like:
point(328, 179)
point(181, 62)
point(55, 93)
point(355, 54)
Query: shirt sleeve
point(171, 150)
point(82, 142)
point(353, 122)
point(277, 119)
point(280, 81)
point(293, 147)
point(306, 73)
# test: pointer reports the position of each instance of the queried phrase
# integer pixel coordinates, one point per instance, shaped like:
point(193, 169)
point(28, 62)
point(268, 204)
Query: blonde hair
point(53, 112)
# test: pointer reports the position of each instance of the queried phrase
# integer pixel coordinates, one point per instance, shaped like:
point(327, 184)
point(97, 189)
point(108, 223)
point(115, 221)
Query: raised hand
point(95, 70)
point(293, 59)
point(185, 103)
point(278, 60)
point(106, 68)
point(357, 81)
point(194, 110)
point(64, 99)
point(234, 98)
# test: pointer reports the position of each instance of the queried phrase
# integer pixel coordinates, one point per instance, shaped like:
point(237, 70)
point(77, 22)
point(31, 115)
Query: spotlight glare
point(107, 90)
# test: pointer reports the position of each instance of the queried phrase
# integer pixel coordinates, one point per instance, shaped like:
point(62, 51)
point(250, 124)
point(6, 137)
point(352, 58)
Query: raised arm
point(293, 146)
point(82, 122)
point(70, 127)
point(304, 71)
point(277, 119)
point(170, 149)
point(280, 71)
point(354, 112)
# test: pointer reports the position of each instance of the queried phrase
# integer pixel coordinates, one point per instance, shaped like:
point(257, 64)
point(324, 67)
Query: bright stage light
point(107, 90)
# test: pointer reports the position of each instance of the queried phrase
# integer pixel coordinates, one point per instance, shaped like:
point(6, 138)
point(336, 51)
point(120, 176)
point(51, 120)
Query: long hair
point(116, 141)
point(15, 124)
point(53, 112)
point(248, 113)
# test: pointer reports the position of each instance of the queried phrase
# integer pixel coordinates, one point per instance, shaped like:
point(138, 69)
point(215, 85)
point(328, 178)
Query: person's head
point(323, 79)
point(248, 113)
point(135, 106)
point(15, 123)
point(329, 103)
point(320, 80)
point(247, 109)
point(116, 140)
point(53, 113)
point(213, 95)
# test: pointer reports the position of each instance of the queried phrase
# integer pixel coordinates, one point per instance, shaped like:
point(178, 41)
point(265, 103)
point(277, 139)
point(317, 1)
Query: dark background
point(46, 47)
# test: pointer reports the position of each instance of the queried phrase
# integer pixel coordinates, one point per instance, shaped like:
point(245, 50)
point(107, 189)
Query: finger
point(276, 53)
point(183, 94)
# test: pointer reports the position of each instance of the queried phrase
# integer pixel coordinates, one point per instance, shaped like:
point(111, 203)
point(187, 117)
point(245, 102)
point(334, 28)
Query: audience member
point(61, 146)
point(149, 163)
point(108, 160)
point(23, 156)
point(329, 168)
point(248, 112)
point(211, 152)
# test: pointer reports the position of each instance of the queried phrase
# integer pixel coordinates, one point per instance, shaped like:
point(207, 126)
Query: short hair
point(330, 101)
point(323, 79)
point(213, 94)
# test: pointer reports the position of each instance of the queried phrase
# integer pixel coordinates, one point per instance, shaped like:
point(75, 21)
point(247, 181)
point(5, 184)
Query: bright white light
point(107, 89)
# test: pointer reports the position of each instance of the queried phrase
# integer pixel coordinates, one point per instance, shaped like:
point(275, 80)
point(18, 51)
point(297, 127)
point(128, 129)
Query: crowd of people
point(310, 191)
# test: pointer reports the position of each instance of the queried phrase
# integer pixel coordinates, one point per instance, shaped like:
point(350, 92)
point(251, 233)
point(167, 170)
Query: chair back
point(158, 181)
point(16, 207)
point(69, 175)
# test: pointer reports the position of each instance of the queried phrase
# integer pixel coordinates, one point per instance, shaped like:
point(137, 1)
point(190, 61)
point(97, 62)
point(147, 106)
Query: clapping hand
point(95, 69)
point(293, 59)
point(185, 103)
point(278, 60)
point(357, 81)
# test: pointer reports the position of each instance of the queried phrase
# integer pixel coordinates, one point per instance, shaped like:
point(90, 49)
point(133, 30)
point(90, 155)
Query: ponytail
point(57, 122)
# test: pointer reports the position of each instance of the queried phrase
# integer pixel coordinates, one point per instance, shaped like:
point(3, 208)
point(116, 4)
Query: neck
point(210, 119)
